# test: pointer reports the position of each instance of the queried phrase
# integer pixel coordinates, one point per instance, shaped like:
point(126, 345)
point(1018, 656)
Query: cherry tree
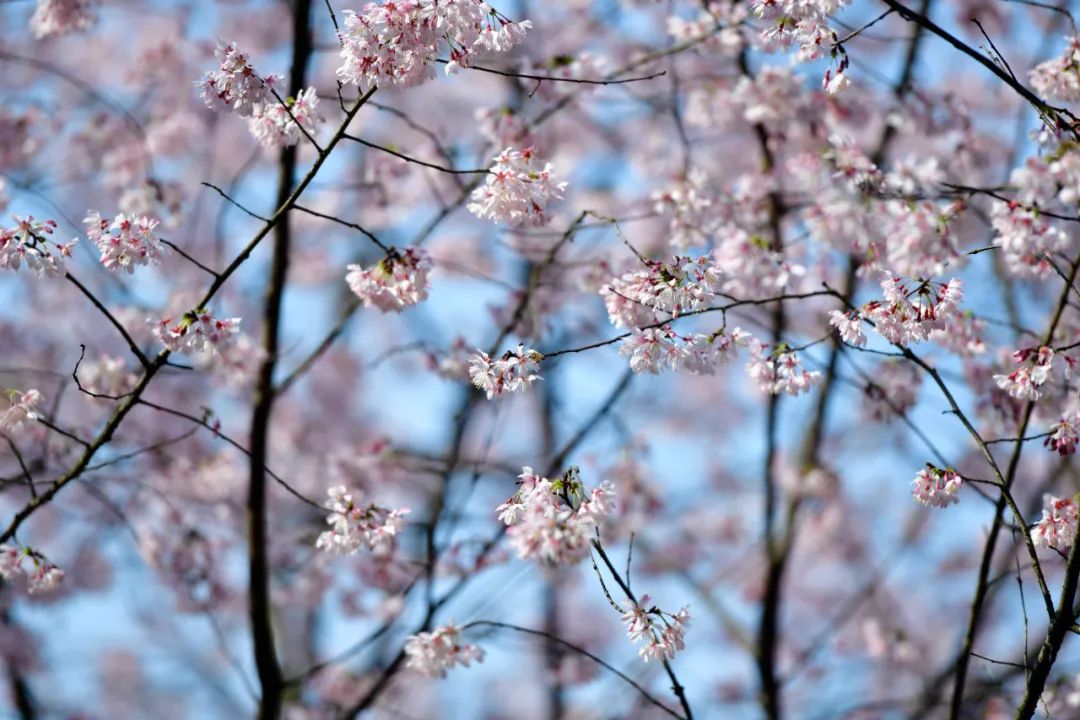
point(596, 358)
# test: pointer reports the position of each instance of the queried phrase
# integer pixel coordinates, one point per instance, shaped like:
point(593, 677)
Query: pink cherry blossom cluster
point(433, 653)
point(517, 190)
point(796, 20)
point(126, 242)
point(655, 349)
point(1034, 366)
point(196, 332)
point(663, 633)
point(1057, 529)
point(28, 241)
point(41, 577)
point(396, 282)
point(680, 285)
point(779, 370)
point(1027, 237)
point(911, 312)
point(276, 125)
point(396, 42)
point(513, 372)
point(1059, 77)
point(235, 85)
point(553, 521)
point(1065, 434)
point(935, 487)
point(59, 17)
point(22, 406)
point(355, 527)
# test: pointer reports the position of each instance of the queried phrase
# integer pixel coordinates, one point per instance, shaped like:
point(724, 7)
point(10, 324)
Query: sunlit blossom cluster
point(276, 125)
point(59, 17)
point(125, 242)
point(553, 521)
point(512, 372)
point(397, 42)
point(433, 653)
point(21, 407)
point(677, 286)
point(654, 349)
point(779, 370)
point(911, 312)
point(195, 332)
point(396, 282)
point(41, 575)
point(936, 487)
point(660, 633)
point(517, 190)
point(274, 121)
point(1065, 434)
point(1032, 371)
point(1057, 528)
point(29, 241)
point(236, 86)
point(1059, 77)
point(355, 527)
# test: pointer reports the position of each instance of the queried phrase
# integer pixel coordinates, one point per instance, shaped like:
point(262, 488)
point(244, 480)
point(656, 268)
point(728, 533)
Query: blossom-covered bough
point(493, 323)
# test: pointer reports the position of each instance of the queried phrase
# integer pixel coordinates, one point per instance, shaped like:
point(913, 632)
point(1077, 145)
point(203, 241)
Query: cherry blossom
point(553, 521)
point(663, 633)
point(514, 371)
point(22, 406)
point(780, 370)
point(276, 125)
point(354, 527)
point(849, 325)
point(235, 85)
point(59, 17)
point(1059, 78)
point(126, 242)
point(396, 282)
point(195, 332)
point(1065, 434)
point(935, 487)
point(1026, 235)
point(395, 43)
point(1032, 372)
point(1057, 529)
point(655, 349)
point(433, 653)
point(680, 285)
point(41, 575)
point(911, 312)
point(517, 190)
point(29, 242)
